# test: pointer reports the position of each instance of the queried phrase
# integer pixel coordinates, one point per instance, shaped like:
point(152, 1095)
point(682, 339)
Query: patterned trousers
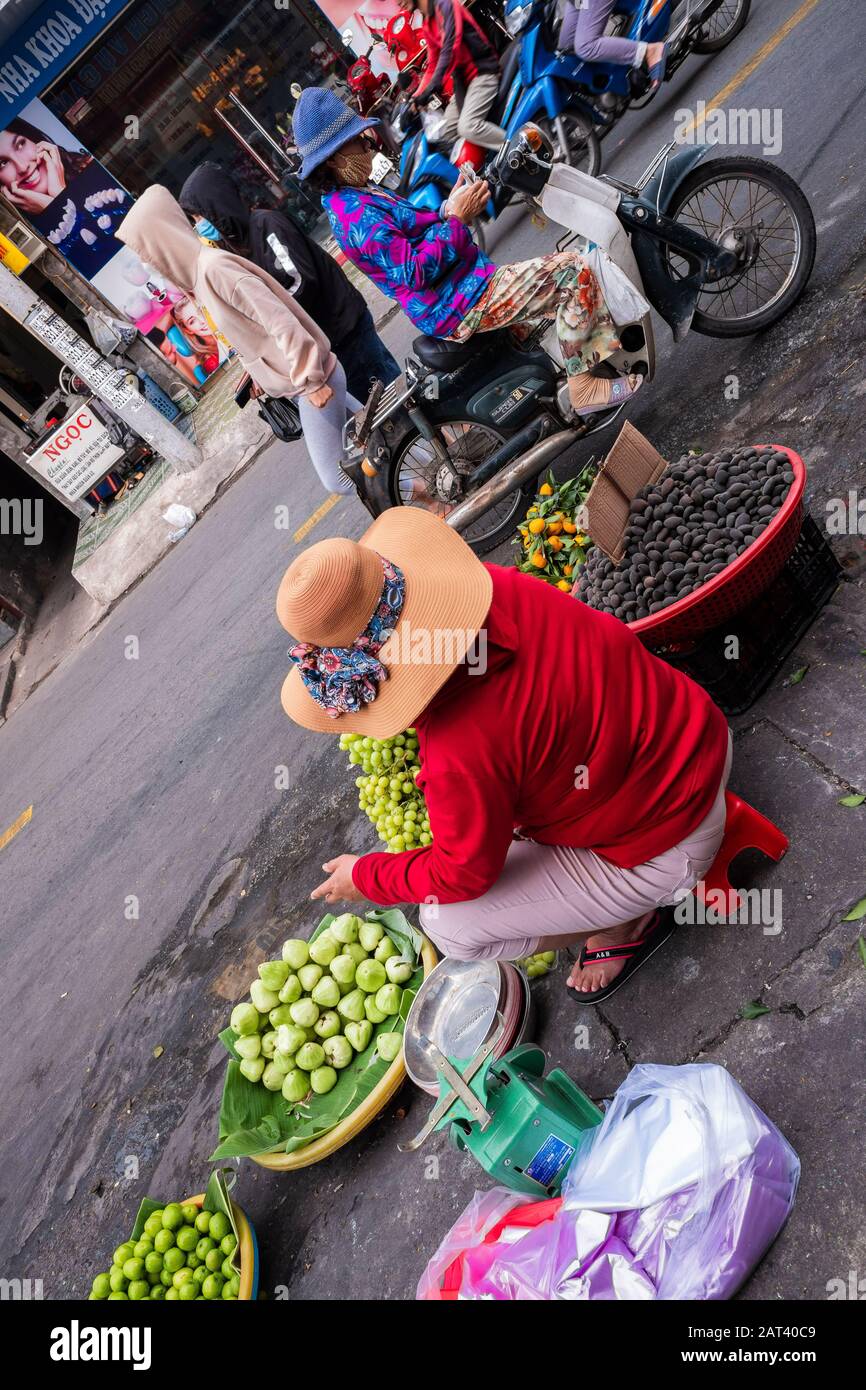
point(559, 287)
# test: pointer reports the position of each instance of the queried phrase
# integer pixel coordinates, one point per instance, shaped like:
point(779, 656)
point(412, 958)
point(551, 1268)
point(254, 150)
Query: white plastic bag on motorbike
point(623, 299)
point(434, 124)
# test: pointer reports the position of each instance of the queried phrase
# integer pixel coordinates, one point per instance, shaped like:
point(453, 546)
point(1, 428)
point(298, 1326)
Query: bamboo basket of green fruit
point(316, 1050)
point(200, 1249)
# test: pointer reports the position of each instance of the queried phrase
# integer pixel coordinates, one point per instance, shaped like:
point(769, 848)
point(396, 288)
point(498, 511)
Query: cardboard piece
point(631, 463)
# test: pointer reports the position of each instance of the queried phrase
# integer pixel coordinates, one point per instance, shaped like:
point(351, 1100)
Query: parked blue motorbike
point(576, 102)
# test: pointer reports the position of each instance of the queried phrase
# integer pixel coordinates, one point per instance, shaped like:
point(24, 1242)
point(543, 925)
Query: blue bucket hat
point(321, 123)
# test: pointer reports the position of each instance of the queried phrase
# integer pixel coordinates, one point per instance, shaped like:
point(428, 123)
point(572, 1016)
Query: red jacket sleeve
point(472, 828)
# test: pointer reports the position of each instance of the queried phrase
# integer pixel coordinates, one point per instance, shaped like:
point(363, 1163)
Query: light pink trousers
point(553, 890)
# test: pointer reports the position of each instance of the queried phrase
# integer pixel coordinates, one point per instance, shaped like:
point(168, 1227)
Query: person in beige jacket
point(284, 351)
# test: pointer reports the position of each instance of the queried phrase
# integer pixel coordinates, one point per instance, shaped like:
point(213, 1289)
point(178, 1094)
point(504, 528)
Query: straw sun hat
point(330, 592)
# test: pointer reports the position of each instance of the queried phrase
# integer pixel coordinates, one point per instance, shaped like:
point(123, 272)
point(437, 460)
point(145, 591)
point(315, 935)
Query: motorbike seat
point(443, 355)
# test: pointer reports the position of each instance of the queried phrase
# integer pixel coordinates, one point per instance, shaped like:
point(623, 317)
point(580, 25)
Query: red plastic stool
point(745, 828)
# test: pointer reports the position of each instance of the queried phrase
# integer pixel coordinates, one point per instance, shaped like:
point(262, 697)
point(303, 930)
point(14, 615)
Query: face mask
point(353, 169)
point(206, 230)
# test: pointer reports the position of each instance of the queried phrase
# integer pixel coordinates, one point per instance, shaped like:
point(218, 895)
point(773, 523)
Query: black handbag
point(281, 414)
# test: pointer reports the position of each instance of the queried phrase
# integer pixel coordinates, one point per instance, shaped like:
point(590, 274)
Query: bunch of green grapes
point(386, 791)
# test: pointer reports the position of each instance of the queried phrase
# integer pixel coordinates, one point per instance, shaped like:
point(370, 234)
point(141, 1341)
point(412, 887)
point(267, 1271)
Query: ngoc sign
point(76, 455)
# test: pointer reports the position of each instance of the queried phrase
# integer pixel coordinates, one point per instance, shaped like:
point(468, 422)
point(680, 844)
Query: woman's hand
point(339, 887)
point(53, 161)
point(466, 201)
point(320, 399)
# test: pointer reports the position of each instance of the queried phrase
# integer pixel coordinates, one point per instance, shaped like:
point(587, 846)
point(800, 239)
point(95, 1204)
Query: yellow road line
point(753, 64)
point(17, 825)
point(314, 520)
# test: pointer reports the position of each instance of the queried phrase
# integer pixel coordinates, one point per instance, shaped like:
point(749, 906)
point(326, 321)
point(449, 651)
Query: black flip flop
point(634, 953)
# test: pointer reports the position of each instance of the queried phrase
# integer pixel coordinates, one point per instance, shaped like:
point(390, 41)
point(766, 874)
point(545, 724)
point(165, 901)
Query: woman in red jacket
point(535, 715)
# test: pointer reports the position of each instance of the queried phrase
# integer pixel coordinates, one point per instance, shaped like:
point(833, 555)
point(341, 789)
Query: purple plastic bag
point(683, 1188)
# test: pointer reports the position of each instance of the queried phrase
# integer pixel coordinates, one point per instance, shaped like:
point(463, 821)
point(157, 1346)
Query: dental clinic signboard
point(44, 46)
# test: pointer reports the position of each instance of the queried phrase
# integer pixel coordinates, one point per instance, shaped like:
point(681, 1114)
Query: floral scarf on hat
point(342, 679)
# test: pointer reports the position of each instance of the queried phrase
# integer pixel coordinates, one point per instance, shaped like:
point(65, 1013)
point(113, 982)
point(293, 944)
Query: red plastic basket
point(740, 582)
point(530, 1215)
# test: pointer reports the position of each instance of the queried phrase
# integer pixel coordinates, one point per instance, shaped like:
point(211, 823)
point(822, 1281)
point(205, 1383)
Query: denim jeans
point(363, 356)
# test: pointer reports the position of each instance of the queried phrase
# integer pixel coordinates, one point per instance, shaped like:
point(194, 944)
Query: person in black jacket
point(272, 241)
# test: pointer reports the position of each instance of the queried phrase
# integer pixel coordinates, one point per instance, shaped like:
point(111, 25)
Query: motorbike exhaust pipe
point(515, 474)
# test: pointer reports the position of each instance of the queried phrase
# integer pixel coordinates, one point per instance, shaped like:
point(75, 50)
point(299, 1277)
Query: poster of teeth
point(73, 201)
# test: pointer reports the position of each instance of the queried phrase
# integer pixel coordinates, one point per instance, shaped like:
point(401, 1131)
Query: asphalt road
point(151, 763)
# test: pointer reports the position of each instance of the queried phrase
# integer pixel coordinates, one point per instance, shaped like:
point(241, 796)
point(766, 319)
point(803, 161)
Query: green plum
point(324, 948)
point(370, 934)
point(388, 1045)
point(245, 1020)
point(388, 999)
point(304, 1013)
point(373, 1012)
point(310, 1056)
point(273, 1077)
point(323, 1080)
point(351, 1007)
point(248, 1047)
point(327, 1024)
point(385, 949)
point(291, 990)
point(263, 998)
point(343, 970)
point(309, 976)
point(359, 1034)
point(345, 928)
point(295, 952)
point(273, 974)
point(370, 976)
point(326, 992)
point(399, 969)
point(338, 1051)
point(295, 1086)
point(290, 1037)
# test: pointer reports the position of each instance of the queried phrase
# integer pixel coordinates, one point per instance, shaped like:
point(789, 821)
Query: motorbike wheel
point(723, 26)
point(753, 195)
point(468, 444)
point(582, 147)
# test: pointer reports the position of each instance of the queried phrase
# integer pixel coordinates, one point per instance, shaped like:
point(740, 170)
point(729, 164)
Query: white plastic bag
point(623, 298)
point(180, 517)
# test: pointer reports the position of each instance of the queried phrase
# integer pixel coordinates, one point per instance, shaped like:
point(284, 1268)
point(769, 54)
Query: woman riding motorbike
point(429, 263)
point(611, 764)
point(582, 30)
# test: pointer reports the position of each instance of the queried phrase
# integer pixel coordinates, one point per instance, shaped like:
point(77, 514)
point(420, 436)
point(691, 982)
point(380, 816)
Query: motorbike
point(427, 170)
point(722, 246)
point(578, 103)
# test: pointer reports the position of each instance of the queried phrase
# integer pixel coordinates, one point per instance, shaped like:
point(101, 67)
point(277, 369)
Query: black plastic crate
point(767, 630)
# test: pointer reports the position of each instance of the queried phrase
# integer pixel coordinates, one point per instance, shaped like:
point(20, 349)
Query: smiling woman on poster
point(33, 169)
